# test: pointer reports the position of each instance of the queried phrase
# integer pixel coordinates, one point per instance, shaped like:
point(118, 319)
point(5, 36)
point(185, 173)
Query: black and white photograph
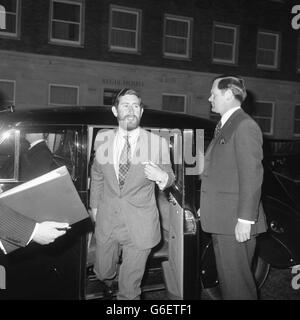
point(149, 150)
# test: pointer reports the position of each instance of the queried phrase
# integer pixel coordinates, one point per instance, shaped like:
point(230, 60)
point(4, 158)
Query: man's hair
point(235, 84)
point(122, 93)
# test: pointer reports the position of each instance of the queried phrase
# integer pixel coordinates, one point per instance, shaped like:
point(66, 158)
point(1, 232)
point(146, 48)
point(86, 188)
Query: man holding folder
point(17, 230)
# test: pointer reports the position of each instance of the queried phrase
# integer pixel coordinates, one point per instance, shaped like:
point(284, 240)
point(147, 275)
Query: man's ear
point(228, 94)
point(114, 111)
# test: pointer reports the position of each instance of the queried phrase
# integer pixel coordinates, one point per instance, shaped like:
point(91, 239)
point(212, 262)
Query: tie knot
point(126, 137)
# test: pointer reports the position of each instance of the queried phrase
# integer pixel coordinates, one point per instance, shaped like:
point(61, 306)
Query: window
point(263, 113)
point(7, 92)
point(297, 120)
point(66, 22)
point(62, 95)
point(177, 36)
point(125, 25)
point(298, 54)
point(12, 18)
point(267, 50)
point(109, 96)
point(225, 43)
point(62, 145)
point(173, 102)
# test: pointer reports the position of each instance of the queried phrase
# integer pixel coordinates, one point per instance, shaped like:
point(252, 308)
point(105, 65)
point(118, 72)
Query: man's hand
point(155, 173)
point(46, 232)
point(242, 231)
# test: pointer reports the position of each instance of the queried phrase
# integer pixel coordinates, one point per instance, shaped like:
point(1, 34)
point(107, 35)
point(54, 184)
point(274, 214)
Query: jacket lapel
point(110, 166)
point(225, 130)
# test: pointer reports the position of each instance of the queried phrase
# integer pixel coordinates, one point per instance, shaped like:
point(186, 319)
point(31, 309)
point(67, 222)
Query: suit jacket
point(232, 177)
point(36, 161)
point(15, 229)
point(136, 201)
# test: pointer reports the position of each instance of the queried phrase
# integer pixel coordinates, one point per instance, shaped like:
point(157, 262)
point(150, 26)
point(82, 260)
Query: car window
point(32, 151)
point(9, 150)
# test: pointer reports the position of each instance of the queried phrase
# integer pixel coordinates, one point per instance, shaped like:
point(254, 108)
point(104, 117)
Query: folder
point(50, 197)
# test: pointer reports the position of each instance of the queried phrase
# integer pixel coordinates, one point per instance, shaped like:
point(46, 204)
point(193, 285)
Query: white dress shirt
point(119, 142)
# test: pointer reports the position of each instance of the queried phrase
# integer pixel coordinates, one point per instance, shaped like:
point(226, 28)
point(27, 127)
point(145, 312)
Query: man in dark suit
point(129, 162)
point(38, 159)
point(230, 206)
point(17, 231)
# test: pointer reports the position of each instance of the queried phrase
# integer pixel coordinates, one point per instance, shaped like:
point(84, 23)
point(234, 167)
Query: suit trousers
point(234, 260)
point(133, 263)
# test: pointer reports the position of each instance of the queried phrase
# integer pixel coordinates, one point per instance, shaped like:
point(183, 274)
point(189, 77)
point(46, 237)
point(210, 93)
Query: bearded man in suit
point(230, 206)
point(129, 161)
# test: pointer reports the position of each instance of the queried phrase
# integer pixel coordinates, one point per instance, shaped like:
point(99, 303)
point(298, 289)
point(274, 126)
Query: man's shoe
point(110, 290)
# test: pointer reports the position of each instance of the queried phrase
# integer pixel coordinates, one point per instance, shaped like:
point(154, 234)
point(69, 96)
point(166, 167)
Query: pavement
point(278, 286)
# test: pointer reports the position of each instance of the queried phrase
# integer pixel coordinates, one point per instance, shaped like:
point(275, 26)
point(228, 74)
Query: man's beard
point(130, 124)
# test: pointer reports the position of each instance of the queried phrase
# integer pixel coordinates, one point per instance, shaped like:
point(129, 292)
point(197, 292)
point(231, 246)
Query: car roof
point(96, 115)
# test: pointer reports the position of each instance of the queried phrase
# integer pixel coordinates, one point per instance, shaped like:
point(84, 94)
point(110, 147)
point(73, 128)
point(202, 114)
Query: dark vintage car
point(183, 263)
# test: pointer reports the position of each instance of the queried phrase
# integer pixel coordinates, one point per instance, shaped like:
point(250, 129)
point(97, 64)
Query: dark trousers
point(233, 260)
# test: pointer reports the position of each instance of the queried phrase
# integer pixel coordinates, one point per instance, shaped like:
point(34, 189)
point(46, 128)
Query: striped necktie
point(124, 163)
point(218, 129)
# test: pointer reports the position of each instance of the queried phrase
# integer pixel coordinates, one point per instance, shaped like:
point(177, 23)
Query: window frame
point(16, 35)
point(296, 119)
point(176, 95)
point(272, 118)
point(235, 45)
point(65, 86)
point(81, 24)
point(189, 20)
point(276, 64)
point(138, 13)
point(14, 89)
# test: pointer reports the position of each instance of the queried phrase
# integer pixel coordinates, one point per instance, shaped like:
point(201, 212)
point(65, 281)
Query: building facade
point(80, 52)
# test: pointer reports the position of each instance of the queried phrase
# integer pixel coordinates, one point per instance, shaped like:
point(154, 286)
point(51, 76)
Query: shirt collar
point(227, 114)
point(132, 134)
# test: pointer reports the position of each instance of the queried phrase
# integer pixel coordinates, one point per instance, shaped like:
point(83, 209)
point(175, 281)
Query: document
point(50, 197)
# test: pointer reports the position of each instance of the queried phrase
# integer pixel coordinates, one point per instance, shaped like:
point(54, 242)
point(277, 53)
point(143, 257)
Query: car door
point(55, 271)
point(181, 270)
